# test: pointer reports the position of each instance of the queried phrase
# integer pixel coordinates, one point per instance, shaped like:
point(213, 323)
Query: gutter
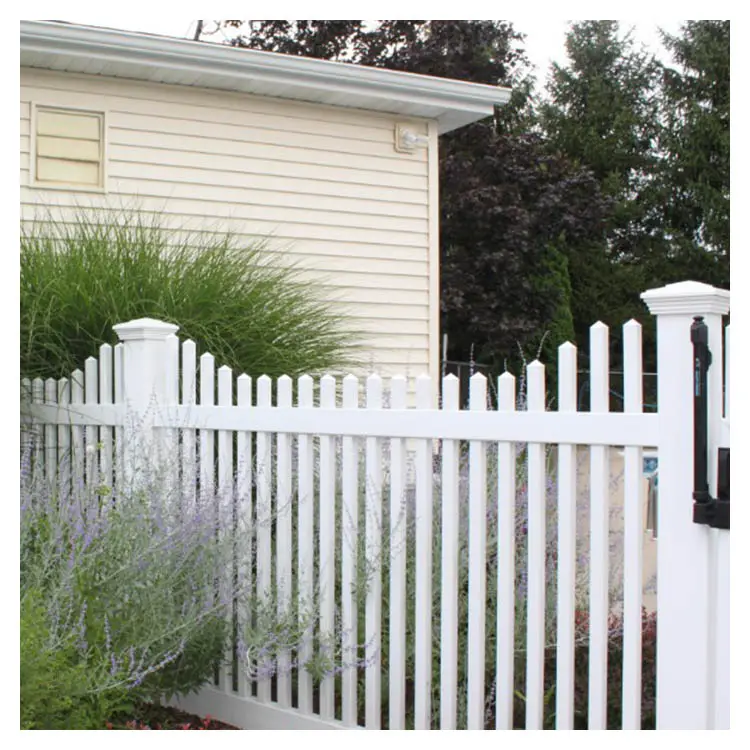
point(309, 78)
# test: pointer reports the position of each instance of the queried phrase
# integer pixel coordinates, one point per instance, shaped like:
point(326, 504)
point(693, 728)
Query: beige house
point(337, 163)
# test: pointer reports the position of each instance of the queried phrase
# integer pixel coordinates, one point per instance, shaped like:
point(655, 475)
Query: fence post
point(146, 369)
point(683, 662)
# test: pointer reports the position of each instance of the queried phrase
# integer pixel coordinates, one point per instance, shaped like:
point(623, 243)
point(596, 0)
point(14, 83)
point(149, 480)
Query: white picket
point(77, 449)
point(91, 382)
point(106, 395)
point(349, 533)
point(424, 521)
point(449, 567)
point(119, 375)
point(305, 537)
point(50, 434)
point(599, 557)
point(566, 544)
point(397, 592)
point(373, 542)
point(506, 561)
point(25, 390)
point(264, 474)
point(169, 436)
point(225, 491)
point(27, 431)
point(63, 440)
point(284, 535)
point(633, 543)
point(207, 437)
point(327, 542)
point(38, 462)
point(207, 466)
point(244, 506)
point(187, 434)
point(536, 547)
point(477, 561)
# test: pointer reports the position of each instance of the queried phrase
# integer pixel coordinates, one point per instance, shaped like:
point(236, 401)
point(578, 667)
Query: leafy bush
point(234, 301)
point(119, 593)
point(57, 689)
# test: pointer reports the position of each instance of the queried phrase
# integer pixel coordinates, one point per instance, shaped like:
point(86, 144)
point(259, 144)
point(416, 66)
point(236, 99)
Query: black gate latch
point(707, 510)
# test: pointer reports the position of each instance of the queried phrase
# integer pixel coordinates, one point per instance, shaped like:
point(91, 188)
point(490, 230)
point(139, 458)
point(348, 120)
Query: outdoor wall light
point(407, 141)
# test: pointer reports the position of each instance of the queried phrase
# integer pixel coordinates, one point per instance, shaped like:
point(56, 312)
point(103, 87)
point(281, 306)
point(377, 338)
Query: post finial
point(147, 329)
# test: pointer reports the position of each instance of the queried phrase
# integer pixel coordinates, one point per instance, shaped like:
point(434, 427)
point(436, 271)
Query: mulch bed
point(148, 716)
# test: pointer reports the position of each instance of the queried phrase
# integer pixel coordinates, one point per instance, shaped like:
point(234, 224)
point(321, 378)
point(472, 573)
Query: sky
point(545, 38)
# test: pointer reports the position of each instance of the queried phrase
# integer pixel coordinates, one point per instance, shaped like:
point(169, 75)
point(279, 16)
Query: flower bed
point(149, 716)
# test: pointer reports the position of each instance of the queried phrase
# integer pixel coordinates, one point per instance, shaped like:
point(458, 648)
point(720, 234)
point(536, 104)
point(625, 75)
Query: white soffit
point(146, 57)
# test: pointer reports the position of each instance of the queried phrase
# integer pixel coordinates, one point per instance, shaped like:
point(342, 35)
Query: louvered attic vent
point(69, 148)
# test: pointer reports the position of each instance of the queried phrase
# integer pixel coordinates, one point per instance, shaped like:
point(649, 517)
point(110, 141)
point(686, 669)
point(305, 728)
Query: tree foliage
point(602, 112)
point(657, 140)
point(694, 191)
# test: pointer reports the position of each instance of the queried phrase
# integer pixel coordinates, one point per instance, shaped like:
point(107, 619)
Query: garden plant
point(247, 306)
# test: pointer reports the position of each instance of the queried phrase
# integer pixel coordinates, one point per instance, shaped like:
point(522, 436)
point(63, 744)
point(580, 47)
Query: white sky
point(545, 38)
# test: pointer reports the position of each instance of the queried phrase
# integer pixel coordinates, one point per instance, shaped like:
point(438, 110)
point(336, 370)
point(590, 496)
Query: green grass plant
point(245, 305)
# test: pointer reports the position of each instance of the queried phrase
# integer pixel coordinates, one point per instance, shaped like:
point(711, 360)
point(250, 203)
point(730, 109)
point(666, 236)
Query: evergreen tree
point(603, 113)
point(693, 190)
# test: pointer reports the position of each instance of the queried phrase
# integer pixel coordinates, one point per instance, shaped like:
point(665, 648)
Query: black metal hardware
point(707, 510)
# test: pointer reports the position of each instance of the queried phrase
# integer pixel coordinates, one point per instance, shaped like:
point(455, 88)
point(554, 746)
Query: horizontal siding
point(324, 148)
point(219, 158)
point(329, 251)
point(354, 296)
point(253, 220)
point(278, 206)
point(323, 185)
point(382, 327)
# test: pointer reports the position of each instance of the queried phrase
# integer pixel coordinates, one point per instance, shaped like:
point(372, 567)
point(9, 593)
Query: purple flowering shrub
point(119, 594)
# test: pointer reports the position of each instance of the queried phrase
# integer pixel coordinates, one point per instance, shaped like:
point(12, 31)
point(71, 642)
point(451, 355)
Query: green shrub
point(235, 301)
point(57, 686)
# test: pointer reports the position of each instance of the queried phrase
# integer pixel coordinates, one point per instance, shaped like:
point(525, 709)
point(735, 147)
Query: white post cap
point(145, 329)
point(687, 298)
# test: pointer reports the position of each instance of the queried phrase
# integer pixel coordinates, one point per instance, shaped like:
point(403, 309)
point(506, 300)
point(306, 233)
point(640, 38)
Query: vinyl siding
point(324, 184)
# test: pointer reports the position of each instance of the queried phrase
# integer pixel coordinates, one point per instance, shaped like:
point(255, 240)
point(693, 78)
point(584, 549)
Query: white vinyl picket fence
point(339, 459)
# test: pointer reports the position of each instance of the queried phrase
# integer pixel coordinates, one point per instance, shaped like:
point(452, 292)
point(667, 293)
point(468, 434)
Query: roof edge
point(462, 101)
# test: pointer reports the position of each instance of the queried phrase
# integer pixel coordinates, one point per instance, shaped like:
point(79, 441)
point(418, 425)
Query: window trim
point(66, 186)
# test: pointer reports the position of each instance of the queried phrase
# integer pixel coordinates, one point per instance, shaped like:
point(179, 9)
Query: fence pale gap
point(429, 540)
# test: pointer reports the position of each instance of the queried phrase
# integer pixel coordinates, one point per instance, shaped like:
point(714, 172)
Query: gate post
point(146, 386)
point(684, 670)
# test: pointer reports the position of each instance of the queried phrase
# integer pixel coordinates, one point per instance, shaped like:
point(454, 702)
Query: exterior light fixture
point(407, 141)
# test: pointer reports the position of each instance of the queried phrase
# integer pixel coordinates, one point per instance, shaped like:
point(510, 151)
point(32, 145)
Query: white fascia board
point(128, 54)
